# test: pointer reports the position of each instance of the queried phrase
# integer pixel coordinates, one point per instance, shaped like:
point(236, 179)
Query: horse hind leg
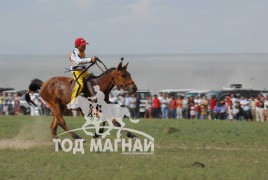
point(54, 127)
point(58, 113)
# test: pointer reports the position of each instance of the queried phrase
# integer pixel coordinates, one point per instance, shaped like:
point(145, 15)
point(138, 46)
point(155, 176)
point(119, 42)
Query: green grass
point(229, 150)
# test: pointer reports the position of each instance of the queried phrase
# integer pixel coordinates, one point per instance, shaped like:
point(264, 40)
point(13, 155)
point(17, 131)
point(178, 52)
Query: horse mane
point(92, 76)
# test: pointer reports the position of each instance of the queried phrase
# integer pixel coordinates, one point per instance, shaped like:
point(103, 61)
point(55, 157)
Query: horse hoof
point(130, 135)
point(96, 136)
point(78, 137)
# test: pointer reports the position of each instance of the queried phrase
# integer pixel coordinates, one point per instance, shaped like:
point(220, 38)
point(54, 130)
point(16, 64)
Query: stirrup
point(72, 105)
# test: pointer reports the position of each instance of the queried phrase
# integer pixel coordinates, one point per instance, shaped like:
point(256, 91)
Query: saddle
point(88, 89)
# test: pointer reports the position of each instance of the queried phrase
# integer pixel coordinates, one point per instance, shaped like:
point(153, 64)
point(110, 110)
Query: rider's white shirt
point(77, 60)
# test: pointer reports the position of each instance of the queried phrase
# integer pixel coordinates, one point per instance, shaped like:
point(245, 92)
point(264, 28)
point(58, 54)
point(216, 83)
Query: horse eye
point(123, 75)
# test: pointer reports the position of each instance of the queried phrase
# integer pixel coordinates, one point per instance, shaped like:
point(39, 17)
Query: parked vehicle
point(221, 94)
point(6, 89)
point(175, 92)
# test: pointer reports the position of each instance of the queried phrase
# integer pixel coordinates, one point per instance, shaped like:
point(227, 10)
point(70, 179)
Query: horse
point(56, 92)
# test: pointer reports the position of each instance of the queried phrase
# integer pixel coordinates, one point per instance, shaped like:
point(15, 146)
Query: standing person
point(188, 109)
point(127, 100)
point(8, 103)
point(192, 110)
point(1, 103)
point(203, 113)
point(205, 103)
point(17, 104)
point(239, 112)
point(79, 61)
point(246, 109)
point(231, 113)
point(41, 107)
point(197, 100)
point(233, 99)
point(179, 107)
point(148, 107)
point(164, 107)
point(172, 107)
point(253, 107)
point(197, 111)
point(156, 107)
point(260, 111)
point(266, 109)
point(121, 100)
point(132, 106)
point(212, 104)
point(223, 110)
point(217, 110)
point(228, 104)
point(160, 97)
point(32, 109)
point(260, 108)
point(138, 103)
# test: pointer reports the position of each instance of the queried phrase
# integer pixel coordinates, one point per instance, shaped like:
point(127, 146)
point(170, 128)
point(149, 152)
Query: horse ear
point(125, 66)
point(119, 67)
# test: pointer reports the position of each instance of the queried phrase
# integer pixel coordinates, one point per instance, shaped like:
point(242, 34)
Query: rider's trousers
point(79, 85)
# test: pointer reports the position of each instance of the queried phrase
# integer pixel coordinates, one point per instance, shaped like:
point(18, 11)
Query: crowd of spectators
point(12, 104)
point(163, 106)
point(132, 102)
point(231, 108)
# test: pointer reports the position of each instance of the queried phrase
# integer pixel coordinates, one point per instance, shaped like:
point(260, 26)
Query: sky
point(134, 26)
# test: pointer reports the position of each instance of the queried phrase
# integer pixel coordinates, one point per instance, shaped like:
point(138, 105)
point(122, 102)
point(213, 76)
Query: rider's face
point(81, 48)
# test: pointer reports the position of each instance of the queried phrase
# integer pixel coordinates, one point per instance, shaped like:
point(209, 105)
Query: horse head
point(123, 80)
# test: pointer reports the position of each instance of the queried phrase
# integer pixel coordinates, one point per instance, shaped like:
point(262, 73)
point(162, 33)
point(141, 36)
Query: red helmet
point(80, 41)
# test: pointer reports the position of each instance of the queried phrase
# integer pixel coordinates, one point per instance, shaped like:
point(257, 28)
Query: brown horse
point(56, 92)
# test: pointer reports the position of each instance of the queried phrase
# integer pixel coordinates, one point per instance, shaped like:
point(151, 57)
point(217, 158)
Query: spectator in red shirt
point(212, 106)
point(228, 103)
point(156, 107)
point(172, 107)
point(197, 110)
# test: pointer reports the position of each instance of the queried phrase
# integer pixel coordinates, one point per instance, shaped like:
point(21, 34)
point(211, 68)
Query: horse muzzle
point(132, 88)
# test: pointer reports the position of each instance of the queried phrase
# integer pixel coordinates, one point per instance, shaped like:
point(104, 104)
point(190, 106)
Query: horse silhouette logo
point(96, 112)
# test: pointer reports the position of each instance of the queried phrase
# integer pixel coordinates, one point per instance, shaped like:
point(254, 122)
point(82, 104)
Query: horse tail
point(35, 85)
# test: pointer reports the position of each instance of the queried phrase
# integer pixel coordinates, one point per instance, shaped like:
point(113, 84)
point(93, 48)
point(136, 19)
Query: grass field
point(184, 149)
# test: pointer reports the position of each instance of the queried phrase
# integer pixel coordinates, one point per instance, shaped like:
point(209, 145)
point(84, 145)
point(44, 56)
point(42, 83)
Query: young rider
point(79, 61)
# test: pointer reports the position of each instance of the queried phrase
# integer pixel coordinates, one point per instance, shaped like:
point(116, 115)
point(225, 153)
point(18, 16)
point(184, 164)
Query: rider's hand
point(94, 59)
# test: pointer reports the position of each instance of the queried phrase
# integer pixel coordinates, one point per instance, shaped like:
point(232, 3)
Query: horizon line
point(139, 54)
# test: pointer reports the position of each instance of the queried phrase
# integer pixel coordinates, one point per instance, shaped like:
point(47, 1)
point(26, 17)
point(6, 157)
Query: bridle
point(114, 81)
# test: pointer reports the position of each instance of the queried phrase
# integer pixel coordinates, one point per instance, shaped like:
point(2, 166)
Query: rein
point(113, 81)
